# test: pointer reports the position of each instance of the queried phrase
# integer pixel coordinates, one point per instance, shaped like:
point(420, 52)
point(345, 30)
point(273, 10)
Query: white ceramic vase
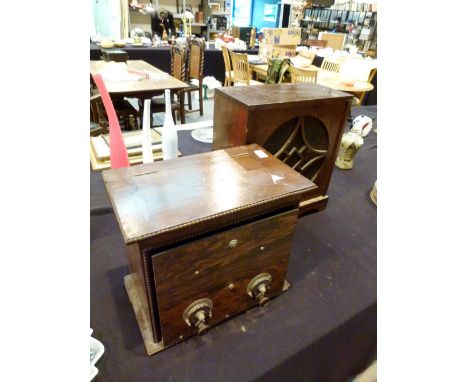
point(169, 133)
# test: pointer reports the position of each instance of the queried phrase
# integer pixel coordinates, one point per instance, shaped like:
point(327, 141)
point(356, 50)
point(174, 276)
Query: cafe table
point(155, 82)
point(332, 80)
point(260, 70)
point(324, 77)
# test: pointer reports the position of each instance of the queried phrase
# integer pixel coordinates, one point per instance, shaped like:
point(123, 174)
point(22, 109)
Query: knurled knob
point(258, 288)
point(262, 299)
point(202, 328)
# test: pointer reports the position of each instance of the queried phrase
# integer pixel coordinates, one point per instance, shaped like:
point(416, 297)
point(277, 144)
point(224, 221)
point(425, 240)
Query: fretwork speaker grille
point(302, 143)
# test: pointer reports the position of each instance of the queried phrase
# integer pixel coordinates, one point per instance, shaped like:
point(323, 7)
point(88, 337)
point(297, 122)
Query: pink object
point(143, 74)
point(118, 151)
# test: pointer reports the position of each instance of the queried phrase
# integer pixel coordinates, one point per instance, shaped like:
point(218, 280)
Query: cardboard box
point(270, 51)
point(282, 36)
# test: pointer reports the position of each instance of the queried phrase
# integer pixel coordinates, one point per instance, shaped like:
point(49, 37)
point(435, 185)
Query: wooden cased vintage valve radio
point(301, 124)
point(208, 237)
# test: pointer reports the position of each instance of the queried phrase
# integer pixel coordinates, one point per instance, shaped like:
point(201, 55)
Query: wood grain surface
point(325, 78)
point(205, 268)
point(301, 124)
point(155, 198)
point(270, 96)
point(142, 87)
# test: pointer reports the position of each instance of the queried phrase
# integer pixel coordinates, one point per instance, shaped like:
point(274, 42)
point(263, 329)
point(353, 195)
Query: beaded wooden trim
point(220, 214)
point(152, 297)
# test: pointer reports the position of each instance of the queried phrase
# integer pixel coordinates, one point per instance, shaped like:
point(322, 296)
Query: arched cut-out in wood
point(302, 143)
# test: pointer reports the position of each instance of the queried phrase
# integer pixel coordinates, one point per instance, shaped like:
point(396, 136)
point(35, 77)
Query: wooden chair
point(228, 73)
point(98, 125)
point(158, 104)
point(126, 112)
point(195, 60)
point(242, 75)
point(95, 108)
point(330, 65)
point(128, 115)
point(302, 76)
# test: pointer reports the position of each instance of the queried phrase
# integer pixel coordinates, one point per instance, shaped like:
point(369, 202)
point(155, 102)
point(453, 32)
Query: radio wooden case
point(208, 237)
point(301, 124)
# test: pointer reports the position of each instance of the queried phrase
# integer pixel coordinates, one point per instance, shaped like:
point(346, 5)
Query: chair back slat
point(302, 76)
point(240, 67)
point(330, 65)
point(178, 58)
point(227, 61)
point(227, 66)
point(196, 54)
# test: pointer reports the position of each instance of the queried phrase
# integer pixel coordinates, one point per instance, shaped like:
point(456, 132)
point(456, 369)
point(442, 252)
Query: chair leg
point(182, 116)
point(94, 113)
point(181, 108)
point(200, 100)
point(135, 122)
point(189, 95)
point(131, 126)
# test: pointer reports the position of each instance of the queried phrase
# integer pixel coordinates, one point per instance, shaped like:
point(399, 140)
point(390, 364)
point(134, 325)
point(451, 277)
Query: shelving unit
point(223, 13)
point(137, 18)
point(179, 17)
point(141, 19)
point(360, 26)
point(202, 26)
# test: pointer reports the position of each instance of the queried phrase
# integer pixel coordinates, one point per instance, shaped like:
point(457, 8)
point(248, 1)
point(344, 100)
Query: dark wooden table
point(213, 65)
point(144, 88)
point(161, 58)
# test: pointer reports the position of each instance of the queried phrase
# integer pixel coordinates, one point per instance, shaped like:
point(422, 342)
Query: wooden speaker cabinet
point(208, 236)
point(301, 124)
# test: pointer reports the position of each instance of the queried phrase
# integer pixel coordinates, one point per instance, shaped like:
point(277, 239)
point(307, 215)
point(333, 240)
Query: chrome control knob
point(202, 328)
point(197, 314)
point(258, 287)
